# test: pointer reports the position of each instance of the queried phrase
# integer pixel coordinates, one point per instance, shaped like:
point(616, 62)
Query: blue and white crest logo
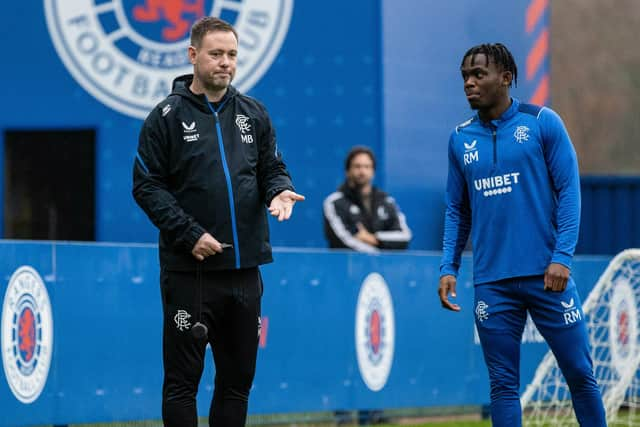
point(482, 312)
point(375, 331)
point(623, 327)
point(521, 134)
point(126, 53)
point(27, 334)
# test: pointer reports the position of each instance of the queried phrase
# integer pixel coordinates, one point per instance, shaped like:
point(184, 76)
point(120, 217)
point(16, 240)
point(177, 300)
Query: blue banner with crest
point(340, 330)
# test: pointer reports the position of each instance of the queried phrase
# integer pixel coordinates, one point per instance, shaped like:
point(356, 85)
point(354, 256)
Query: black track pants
point(231, 311)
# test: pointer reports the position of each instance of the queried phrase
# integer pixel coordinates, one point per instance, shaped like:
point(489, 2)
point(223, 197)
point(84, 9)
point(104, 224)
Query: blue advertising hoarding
point(340, 330)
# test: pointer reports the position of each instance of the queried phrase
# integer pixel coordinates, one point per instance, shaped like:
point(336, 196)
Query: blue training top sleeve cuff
point(563, 259)
point(448, 269)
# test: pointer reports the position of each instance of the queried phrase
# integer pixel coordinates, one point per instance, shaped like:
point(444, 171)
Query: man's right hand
point(448, 287)
point(206, 246)
point(365, 236)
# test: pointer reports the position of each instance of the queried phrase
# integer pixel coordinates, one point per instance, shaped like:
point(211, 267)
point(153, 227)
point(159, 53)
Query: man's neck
point(364, 191)
point(496, 111)
point(212, 96)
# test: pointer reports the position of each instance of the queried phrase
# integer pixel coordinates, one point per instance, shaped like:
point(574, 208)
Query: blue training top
point(516, 180)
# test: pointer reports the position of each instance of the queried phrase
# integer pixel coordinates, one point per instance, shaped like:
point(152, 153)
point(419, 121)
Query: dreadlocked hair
point(500, 56)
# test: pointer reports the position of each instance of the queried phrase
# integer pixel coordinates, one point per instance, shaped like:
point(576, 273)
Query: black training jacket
point(204, 168)
point(344, 210)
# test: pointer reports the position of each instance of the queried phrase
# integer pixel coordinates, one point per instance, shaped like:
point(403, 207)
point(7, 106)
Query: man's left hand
point(282, 204)
point(556, 277)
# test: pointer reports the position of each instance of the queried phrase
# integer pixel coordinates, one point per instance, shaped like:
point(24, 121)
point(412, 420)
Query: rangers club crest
point(27, 334)
point(126, 53)
point(374, 331)
point(623, 327)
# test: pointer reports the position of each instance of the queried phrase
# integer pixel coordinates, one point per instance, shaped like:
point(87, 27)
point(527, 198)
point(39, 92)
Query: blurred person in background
point(207, 167)
point(513, 184)
point(360, 216)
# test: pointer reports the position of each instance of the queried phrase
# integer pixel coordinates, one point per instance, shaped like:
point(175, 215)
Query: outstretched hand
point(282, 204)
point(448, 287)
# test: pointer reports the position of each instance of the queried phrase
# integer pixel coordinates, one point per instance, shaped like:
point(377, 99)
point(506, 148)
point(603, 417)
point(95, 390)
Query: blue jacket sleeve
point(457, 220)
point(562, 164)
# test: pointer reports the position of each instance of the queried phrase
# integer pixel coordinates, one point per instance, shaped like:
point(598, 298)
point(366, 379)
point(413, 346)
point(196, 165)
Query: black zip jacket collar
point(181, 87)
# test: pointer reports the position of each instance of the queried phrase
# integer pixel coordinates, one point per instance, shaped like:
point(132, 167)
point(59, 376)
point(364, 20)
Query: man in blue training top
point(513, 175)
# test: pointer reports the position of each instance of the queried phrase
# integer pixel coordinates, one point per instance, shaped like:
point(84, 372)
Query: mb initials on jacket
point(243, 124)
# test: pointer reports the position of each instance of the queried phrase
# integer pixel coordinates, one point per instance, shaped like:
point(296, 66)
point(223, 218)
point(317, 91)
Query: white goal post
point(612, 313)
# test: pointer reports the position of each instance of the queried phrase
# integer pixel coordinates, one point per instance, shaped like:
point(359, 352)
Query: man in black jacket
point(359, 216)
point(207, 167)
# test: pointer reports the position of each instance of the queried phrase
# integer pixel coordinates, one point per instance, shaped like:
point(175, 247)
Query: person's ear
point(507, 78)
point(191, 52)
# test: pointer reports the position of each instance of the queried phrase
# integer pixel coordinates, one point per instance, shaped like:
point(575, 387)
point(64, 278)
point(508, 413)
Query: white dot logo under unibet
point(126, 53)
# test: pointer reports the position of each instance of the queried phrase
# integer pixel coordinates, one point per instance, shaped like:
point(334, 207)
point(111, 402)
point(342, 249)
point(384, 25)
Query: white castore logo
point(470, 152)
point(189, 132)
point(126, 54)
point(571, 313)
point(470, 147)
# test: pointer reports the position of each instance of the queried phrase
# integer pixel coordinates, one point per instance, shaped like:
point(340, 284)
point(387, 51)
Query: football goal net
point(612, 314)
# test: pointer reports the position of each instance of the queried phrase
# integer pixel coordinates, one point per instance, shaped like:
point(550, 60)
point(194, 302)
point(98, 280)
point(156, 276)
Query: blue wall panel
point(380, 73)
point(322, 92)
point(106, 359)
point(610, 208)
